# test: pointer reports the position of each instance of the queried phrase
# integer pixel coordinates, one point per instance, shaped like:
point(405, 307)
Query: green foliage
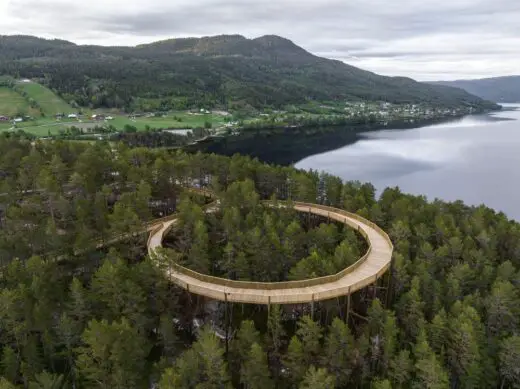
point(304, 348)
point(202, 367)
point(339, 352)
point(112, 355)
point(227, 71)
point(509, 356)
point(76, 314)
point(255, 372)
point(317, 379)
point(262, 241)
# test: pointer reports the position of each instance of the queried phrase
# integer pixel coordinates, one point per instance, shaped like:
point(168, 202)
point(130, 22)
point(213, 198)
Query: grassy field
point(40, 127)
point(179, 120)
point(43, 127)
point(46, 99)
point(11, 104)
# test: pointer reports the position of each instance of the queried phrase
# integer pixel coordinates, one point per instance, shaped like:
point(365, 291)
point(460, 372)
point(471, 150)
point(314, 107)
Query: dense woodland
point(253, 241)
point(73, 316)
point(231, 72)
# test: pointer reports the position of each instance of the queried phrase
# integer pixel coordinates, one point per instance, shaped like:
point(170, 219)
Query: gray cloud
point(428, 39)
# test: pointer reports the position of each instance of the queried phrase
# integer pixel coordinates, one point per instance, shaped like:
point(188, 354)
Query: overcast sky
point(423, 39)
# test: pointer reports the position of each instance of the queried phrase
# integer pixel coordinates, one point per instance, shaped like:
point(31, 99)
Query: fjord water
point(475, 159)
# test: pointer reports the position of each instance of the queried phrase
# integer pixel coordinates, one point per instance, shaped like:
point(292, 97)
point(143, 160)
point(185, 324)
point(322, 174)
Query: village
point(31, 107)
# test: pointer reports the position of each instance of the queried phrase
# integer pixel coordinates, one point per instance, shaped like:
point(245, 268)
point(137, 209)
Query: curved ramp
point(364, 272)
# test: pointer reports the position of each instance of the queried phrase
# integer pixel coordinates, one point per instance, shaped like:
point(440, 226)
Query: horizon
point(426, 41)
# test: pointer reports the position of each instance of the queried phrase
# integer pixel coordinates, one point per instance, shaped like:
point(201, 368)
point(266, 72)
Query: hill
point(227, 71)
point(499, 89)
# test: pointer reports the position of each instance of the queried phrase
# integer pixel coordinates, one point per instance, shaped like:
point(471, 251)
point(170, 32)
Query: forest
point(80, 309)
point(228, 71)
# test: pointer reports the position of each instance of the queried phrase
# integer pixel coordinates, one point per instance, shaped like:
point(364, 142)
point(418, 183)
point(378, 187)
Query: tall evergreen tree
point(254, 373)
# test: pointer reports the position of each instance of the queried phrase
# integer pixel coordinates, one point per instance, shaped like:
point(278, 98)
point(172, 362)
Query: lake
point(475, 159)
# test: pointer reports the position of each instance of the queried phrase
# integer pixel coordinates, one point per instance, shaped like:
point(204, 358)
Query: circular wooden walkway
point(367, 270)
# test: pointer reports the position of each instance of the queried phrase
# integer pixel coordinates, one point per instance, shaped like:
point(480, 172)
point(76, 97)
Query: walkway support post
point(312, 307)
point(348, 306)
point(227, 322)
point(376, 261)
point(389, 284)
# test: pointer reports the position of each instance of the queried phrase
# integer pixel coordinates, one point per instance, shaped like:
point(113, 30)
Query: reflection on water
point(287, 146)
point(475, 159)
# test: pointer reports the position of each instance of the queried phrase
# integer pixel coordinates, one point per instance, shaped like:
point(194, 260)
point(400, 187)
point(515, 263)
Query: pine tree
point(304, 348)
point(295, 360)
point(275, 330)
point(213, 368)
point(113, 355)
point(401, 369)
point(339, 352)
point(503, 312)
point(9, 364)
point(509, 357)
point(246, 336)
point(317, 379)
point(381, 384)
point(5, 384)
point(464, 354)
point(438, 333)
point(429, 373)
point(198, 256)
point(46, 380)
point(186, 374)
point(410, 311)
point(254, 373)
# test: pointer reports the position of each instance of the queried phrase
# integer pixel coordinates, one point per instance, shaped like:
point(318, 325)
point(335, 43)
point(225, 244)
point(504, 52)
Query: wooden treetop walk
point(367, 270)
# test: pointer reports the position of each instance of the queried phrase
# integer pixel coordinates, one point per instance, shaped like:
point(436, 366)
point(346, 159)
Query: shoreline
point(288, 145)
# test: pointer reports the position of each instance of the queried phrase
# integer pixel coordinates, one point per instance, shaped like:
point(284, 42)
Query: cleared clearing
point(12, 104)
point(46, 99)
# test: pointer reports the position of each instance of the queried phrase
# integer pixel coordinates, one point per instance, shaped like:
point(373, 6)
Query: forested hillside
point(499, 89)
point(227, 71)
point(73, 316)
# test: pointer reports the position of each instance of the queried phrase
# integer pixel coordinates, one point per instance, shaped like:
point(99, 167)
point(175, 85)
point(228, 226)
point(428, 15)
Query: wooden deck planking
point(366, 273)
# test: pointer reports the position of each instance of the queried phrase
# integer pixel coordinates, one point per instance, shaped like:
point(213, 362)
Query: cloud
point(427, 40)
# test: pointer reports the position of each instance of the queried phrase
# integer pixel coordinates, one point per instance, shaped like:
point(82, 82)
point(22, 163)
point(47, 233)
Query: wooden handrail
point(289, 285)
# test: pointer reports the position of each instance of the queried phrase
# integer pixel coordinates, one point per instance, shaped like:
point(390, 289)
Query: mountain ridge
point(504, 89)
point(223, 70)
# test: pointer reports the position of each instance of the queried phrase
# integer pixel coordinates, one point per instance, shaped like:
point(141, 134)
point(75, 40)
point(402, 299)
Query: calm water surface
point(475, 159)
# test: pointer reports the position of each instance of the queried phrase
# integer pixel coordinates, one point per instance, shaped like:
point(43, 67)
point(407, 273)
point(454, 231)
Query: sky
point(423, 39)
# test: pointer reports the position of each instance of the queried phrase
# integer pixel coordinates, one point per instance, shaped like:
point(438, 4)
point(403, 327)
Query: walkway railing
point(234, 286)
